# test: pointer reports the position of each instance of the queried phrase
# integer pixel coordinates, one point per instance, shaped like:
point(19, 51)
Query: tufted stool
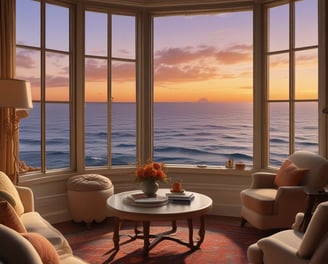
point(87, 195)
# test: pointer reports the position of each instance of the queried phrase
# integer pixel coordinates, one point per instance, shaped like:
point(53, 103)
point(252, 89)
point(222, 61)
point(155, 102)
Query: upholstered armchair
point(273, 199)
point(292, 246)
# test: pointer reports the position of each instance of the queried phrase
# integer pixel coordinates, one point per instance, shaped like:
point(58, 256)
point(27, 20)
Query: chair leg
point(243, 222)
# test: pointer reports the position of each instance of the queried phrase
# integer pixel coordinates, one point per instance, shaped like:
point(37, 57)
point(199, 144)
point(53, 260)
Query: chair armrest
point(296, 198)
point(27, 198)
point(263, 180)
point(277, 251)
point(298, 222)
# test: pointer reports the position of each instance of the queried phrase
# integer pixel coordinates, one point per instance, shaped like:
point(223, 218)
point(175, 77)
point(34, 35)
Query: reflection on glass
point(96, 34)
point(279, 28)
point(279, 76)
point(306, 74)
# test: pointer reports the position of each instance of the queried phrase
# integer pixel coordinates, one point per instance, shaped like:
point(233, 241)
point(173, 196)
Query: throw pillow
point(9, 217)
point(45, 249)
point(289, 174)
point(9, 188)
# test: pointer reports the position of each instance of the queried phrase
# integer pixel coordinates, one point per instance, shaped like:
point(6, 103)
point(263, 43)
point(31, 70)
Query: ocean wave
point(174, 149)
point(278, 140)
point(182, 135)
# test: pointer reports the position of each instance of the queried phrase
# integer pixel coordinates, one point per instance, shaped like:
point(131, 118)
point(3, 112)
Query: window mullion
point(109, 90)
point(43, 85)
point(291, 77)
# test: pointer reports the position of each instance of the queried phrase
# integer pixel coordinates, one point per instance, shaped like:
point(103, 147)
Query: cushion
point(46, 251)
point(259, 200)
point(35, 223)
point(9, 190)
point(289, 174)
point(9, 217)
point(88, 182)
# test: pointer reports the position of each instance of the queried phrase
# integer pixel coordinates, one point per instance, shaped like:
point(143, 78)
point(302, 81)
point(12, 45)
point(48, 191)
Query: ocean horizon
point(201, 133)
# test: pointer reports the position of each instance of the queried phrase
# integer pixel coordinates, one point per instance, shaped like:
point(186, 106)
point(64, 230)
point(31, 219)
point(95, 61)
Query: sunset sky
point(196, 58)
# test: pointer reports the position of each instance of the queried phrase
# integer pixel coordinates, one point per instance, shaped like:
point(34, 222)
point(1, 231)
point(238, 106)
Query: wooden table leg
point(116, 236)
point(191, 233)
point(146, 225)
point(174, 226)
point(201, 231)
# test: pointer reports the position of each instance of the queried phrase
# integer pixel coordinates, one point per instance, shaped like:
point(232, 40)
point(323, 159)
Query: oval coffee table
point(122, 209)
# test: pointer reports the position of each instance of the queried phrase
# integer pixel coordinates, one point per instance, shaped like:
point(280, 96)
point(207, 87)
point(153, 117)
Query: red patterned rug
point(225, 242)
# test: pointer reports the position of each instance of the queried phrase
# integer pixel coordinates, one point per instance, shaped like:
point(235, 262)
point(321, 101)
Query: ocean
point(184, 133)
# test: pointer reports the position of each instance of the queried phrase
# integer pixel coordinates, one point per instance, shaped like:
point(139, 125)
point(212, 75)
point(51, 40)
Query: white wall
point(222, 185)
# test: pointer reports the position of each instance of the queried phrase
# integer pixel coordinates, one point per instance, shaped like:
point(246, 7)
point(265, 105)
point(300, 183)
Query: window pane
point(279, 77)
point(96, 80)
point(306, 74)
point(306, 23)
point(123, 113)
point(279, 133)
point(28, 23)
point(306, 126)
point(203, 88)
point(96, 34)
point(123, 37)
point(96, 143)
point(57, 27)
point(279, 28)
point(30, 138)
point(28, 68)
point(57, 77)
point(57, 136)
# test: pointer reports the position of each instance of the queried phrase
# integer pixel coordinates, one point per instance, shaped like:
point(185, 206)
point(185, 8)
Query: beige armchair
point(292, 246)
point(266, 205)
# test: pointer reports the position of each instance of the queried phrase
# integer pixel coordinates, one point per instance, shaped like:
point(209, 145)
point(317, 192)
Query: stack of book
point(180, 196)
point(140, 199)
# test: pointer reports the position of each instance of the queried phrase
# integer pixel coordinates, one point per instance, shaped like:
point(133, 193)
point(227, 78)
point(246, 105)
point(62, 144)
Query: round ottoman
point(87, 195)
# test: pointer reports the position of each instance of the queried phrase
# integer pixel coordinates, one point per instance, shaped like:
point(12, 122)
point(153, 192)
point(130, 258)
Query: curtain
point(8, 144)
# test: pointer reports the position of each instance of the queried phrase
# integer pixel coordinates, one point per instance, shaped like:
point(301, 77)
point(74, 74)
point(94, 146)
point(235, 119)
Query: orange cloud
point(200, 63)
point(24, 59)
point(235, 54)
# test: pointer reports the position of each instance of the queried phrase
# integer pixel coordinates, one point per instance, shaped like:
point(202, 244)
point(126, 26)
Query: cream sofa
point(13, 244)
point(292, 246)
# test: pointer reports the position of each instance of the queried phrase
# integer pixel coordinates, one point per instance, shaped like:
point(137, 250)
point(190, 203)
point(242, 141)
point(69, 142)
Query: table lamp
point(15, 94)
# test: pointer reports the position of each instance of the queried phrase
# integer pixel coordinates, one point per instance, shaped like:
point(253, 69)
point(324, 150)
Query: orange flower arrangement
point(152, 171)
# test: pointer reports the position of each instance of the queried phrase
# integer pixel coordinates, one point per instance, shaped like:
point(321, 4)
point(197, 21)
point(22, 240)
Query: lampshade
point(15, 93)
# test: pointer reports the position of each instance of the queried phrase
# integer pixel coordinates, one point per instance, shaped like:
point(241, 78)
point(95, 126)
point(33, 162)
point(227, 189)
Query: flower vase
point(149, 187)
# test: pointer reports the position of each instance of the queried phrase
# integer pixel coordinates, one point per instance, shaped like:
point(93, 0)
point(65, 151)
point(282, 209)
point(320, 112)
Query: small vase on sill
point(149, 187)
